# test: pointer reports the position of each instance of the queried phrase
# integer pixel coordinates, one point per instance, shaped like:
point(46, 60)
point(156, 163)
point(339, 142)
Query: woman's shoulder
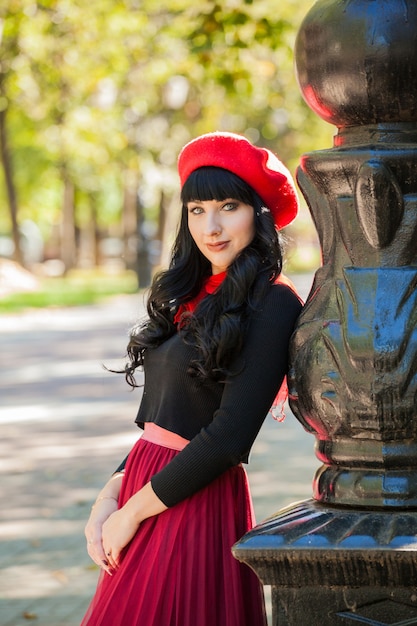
point(283, 280)
point(282, 298)
point(284, 288)
point(274, 316)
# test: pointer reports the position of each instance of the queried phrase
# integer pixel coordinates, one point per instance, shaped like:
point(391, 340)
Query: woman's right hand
point(105, 505)
point(100, 512)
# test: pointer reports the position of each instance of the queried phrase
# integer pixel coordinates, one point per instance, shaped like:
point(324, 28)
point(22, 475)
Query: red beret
point(258, 167)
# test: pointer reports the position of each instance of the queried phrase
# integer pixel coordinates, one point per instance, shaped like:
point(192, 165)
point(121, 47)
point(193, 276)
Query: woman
point(214, 353)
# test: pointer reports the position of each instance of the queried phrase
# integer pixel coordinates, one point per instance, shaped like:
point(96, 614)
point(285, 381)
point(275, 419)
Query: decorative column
point(350, 553)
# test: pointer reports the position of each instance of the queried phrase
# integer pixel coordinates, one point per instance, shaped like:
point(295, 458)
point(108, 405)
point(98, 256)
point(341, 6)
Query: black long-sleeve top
point(221, 420)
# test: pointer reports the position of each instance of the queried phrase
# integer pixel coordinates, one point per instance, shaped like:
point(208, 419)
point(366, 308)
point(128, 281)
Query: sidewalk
point(65, 425)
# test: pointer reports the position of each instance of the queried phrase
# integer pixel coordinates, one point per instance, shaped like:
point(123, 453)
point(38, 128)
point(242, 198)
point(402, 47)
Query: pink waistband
point(162, 437)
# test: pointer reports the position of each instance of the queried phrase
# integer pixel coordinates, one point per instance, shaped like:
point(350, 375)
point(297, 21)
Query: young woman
point(214, 353)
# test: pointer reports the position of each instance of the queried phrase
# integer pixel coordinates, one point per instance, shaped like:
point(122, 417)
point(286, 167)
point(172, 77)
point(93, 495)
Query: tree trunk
point(130, 218)
point(95, 232)
point(10, 187)
point(143, 269)
point(68, 243)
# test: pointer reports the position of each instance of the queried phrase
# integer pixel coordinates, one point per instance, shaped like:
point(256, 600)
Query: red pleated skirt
point(179, 570)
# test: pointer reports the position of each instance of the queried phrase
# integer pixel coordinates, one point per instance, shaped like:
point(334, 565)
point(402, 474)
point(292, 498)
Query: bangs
point(215, 183)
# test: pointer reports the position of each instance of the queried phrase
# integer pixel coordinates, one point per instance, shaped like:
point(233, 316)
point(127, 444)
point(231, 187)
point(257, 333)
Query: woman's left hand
point(118, 530)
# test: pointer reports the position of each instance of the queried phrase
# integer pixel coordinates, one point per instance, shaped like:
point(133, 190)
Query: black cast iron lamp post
point(349, 554)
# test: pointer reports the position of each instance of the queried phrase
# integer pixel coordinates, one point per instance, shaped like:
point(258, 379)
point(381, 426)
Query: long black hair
point(217, 325)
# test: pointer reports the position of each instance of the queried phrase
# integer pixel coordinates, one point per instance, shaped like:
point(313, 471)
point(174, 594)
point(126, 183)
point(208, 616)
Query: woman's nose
point(213, 226)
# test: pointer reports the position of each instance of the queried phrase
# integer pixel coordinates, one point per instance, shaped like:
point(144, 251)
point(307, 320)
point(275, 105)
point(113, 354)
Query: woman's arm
point(119, 529)
point(104, 506)
point(225, 442)
point(246, 400)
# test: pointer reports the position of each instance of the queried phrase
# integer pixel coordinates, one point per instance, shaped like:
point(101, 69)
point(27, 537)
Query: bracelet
point(104, 498)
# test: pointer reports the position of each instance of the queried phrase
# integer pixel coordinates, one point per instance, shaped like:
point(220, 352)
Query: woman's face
point(221, 229)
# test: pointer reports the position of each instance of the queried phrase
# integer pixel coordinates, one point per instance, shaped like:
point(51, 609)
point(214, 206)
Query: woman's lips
point(218, 246)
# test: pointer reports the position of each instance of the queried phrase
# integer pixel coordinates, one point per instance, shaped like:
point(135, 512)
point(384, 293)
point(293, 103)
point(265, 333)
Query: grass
point(77, 289)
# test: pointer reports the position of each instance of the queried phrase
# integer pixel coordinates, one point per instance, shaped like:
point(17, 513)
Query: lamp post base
point(333, 566)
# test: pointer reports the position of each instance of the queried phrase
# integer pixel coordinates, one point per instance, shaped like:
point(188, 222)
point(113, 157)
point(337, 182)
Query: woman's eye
point(230, 206)
point(196, 210)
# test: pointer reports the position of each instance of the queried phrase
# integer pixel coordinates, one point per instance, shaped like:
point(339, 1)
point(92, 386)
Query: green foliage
point(74, 290)
point(100, 89)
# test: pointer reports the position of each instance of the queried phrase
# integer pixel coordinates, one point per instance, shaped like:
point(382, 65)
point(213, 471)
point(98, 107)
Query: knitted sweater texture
point(221, 420)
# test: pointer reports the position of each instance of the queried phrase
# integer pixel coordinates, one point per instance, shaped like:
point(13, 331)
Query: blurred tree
point(10, 18)
point(107, 92)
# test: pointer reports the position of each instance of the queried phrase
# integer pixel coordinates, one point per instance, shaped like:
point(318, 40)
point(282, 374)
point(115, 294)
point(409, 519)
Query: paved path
point(65, 423)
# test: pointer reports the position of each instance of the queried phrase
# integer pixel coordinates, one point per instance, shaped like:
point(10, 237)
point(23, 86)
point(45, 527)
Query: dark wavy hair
point(217, 326)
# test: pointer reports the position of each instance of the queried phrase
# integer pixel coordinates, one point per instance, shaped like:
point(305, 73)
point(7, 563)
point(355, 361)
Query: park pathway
point(65, 423)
